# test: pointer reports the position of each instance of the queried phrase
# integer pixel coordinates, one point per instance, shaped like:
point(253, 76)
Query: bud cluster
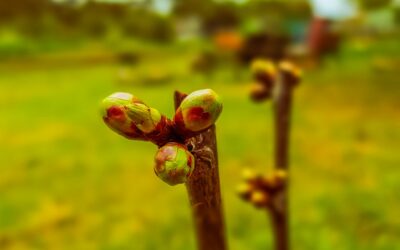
point(266, 75)
point(128, 116)
point(262, 191)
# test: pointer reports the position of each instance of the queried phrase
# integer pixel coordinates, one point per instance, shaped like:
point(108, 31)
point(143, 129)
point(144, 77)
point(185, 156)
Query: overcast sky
point(334, 9)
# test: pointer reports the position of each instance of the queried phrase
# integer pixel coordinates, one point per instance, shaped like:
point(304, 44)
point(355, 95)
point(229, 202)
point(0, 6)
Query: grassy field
point(68, 182)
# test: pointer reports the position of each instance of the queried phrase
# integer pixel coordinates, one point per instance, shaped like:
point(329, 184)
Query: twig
point(187, 151)
point(282, 98)
point(203, 189)
point(271, 192)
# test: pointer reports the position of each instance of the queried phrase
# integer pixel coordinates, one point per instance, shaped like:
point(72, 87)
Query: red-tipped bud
point(115, 116)
point(197, 112)
point(174, 163)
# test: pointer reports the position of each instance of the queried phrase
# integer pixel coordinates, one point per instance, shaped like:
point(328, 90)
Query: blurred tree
point(192, 7)
point(27, 16)
point(396, 6)
point(213, 15)
point(222, 16)
point(150, 25)
point(374, 4)
point(30, 9)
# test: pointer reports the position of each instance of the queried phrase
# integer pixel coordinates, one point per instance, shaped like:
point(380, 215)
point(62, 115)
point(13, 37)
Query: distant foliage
point(40, 18)
point(374, 4)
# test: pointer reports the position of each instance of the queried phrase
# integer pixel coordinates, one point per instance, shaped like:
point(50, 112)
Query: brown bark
point(280, 227)
point(282, 109)
point(203, 189)
point(282, 99)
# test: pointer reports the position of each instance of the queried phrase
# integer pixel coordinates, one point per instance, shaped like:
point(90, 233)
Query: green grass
point(68, 182)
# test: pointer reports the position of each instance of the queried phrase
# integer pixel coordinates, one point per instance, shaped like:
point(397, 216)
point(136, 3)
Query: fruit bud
point(197, 112)
point(275, 181)
point(290, 72)
point(145, 118)
point(249, 175)
point(244, 190)
point(173, 163)
point(115, 116)
point(259, 92)
point(264, 71)
point(260, 199)
point(280, 177)
point(151, 122)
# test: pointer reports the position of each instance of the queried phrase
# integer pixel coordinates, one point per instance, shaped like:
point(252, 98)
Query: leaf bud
point(174, 163)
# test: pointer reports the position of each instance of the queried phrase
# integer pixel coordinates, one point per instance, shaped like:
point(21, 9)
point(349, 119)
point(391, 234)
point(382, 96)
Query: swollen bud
point(260, 199)
point(260, 93)
point(264, 71)
point(244, 190)
point(290, 72)
point(145, 118)
point(154, 125)
point(173, 163)
point(115, 116)
point(249, 174)
point(279, 178)
point(197, 112)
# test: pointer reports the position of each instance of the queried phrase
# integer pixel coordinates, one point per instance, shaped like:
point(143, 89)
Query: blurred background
point(68, 182)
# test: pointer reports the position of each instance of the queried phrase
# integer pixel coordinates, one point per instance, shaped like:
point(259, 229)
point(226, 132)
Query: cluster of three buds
point(130, 117)
point(266, 75)
point(262, 191)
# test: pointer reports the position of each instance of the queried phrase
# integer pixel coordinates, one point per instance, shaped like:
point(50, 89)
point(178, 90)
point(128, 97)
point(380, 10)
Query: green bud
point(249, 174)
point(260, 199)
point(290, 72)
point(115, 116)
point(277, 179)
point(145, 118)
point(198, 111)
point(264, 71)
point(174, 163)
point(259, 92)
point(244, 190)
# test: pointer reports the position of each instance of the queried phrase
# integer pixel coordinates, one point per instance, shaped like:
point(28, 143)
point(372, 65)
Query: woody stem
point(282, 100)
point(204, 192)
